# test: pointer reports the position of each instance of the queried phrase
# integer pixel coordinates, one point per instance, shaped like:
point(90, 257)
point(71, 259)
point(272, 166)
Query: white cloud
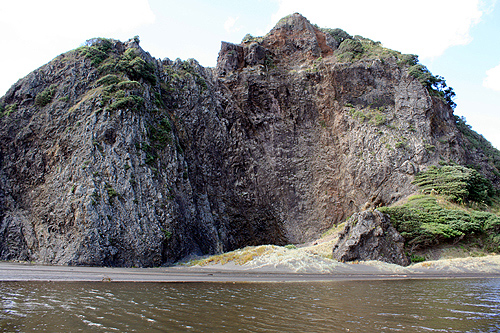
point(492, 80)
point(425, 27)
point(229, 25)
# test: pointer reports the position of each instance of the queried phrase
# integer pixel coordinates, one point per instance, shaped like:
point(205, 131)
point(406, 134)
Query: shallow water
point(361, 306)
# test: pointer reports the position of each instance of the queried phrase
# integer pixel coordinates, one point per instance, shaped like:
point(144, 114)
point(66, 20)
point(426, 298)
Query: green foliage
point(131, 64)
point(338, 34)
point(122, 95)
point(112, 193)
point(168, 234)
point(435, 85)
point(351, 45)
point(408, 59)
point(477, 141)
point(374, 117)
point(250, 39)
point(429, 148)
point(129, 85)
point(426, 220)
point(159, 135)
point(108, 80)
point(416, 258)
point(400, 144)
point(423, 222)
point(290, 247)
point(456, 183)
point(45, 97)
point(5, 111)
point(97, 50)
point(378, 119)
point(127, 102)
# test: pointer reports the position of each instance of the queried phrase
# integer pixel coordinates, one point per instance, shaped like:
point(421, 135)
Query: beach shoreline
point(13, 271)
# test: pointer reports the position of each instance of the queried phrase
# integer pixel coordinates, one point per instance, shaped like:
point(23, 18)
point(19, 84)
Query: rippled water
point(362, 306)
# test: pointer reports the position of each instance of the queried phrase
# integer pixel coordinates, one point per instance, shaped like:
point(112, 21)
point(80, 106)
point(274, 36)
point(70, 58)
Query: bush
point(131, 102)
point(338, 34)
point(159, 135)
point(456, 183)
point(130, 64)
point(97, 50)
point(351, 45)
point(477, 141)
point(108, 80)
point(423, 222)
point(5, 111)
point(45, 97)
point(435, 85)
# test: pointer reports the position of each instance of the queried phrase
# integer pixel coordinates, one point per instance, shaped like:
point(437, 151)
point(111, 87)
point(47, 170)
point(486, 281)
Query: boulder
point(369, 235)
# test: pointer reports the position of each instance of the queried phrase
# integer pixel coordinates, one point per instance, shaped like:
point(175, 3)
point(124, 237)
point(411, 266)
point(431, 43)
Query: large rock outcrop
point(370, 236)
point(111, 157)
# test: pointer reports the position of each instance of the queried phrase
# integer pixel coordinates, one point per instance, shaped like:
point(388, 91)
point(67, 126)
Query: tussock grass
point(238, 257)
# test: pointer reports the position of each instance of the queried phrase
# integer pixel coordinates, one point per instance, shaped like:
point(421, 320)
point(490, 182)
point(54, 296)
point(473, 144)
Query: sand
point(268, 264)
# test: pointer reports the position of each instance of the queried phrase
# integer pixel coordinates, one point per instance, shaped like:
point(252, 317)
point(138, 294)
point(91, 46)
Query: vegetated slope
point(112, 157)
point(457, 205)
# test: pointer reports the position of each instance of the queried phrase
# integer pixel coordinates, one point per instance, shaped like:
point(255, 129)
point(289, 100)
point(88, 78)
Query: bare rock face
point(370, 236)
point(231, 58)
point(111, 157)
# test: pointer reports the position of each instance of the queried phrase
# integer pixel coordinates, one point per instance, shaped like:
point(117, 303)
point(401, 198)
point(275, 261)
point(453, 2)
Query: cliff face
point(111, 157)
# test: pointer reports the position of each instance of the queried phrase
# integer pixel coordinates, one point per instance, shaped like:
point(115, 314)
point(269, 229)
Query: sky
point(456, 39)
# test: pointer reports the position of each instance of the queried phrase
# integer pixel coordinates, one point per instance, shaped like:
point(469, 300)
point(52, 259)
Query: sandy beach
point(276, 265)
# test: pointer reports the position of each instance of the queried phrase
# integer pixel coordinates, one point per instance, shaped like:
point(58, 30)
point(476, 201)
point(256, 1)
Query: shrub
point(97, 50)
point(159, 135)
point(45, 97)
point(456, 183)
point(423, 222)
point(435, 85)
point(378, 119)
point(131, 102)
point(129, 85)
point(5, 111)
point(351, 45)
point(400, 144)
point(477, 141)
point(338, 34)
point(108, 80)
point(131, 64)
point(112, 193)
point(408, 59)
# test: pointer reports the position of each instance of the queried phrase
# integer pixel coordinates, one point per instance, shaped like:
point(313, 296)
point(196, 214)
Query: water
point(361, 306)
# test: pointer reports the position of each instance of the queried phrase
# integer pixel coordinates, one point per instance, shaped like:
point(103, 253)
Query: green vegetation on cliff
point(477, 143)
point(457, 205)
point(360, 48)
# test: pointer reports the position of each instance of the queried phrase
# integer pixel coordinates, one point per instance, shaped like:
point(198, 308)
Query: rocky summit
point(111, 157)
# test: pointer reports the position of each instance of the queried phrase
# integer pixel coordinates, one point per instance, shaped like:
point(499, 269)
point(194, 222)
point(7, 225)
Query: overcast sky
point(457, 39)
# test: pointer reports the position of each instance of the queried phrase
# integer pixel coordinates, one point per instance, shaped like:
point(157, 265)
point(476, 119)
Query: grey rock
point(231, 57)
point(370, 236)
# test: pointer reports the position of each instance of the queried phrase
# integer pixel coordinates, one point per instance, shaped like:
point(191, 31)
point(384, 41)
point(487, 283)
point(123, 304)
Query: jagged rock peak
point(295, 22)
point(292, 41)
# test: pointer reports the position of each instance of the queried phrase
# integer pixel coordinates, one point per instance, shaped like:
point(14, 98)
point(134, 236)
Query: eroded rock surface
point(370, 236)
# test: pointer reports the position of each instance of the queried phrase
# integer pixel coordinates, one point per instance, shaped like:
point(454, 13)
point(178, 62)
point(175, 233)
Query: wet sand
point(28, 272)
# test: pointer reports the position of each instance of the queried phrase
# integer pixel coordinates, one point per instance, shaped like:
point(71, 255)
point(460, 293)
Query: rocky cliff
point(111, 157)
